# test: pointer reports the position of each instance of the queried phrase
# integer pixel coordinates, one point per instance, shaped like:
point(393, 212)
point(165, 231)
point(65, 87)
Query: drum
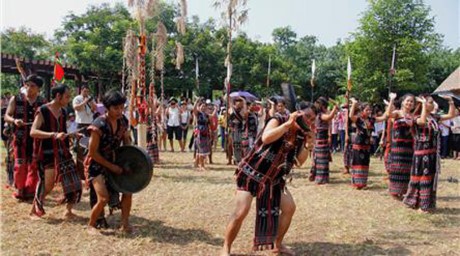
point(82, 151)
point(137, 170)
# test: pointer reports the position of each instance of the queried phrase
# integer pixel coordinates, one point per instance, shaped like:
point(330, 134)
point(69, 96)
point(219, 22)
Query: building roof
point(451, 84)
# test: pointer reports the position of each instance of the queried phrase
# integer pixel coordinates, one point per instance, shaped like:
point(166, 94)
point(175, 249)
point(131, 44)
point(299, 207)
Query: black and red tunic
point(22, 141)
point(55, 153)
point(261, 173)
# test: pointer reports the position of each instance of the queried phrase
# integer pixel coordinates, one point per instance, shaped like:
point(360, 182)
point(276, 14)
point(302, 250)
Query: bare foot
point(283, 250)
point(34, 216)
point(425, 211)
point(129, 230)
point(69, 216)
point(397, 197)
point(92, 231)
point(225, 252)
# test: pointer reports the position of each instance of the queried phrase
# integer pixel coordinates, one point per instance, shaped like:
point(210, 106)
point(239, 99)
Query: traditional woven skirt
point(422, 192)
point(322, 157)
point(203, 145)
point(347, 155)
point(268, 200)
point(400, 163)
point(360, 165)
point(238, 149)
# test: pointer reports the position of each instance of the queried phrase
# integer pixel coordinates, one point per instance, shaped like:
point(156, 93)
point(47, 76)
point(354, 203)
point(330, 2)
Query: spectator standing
point(84, 107)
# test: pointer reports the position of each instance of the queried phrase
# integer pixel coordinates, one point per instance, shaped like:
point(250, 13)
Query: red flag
point(58, 70)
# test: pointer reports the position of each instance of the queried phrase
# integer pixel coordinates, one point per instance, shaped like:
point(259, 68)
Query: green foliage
point(25, 43)
point(405, 24)
point(93, 42)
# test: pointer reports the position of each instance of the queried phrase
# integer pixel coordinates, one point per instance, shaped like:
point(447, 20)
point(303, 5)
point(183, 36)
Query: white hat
point(208, 101)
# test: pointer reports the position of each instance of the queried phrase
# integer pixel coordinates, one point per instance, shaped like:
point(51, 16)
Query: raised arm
point(451, 113)
point(273, 131)
point(387, 111)
point(352, 115)
point(328, 117)
point(422, 119)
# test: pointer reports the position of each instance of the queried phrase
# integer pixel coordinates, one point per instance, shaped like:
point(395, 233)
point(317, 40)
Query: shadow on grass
point(366, 248)
point(200, 179)
point(449, 198)
point(161, 233)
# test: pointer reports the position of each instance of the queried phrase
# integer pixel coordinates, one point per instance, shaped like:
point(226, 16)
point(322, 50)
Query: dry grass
point(183, 212)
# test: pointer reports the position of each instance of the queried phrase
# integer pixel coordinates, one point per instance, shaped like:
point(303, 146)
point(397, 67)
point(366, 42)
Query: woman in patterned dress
point(202, 133)
point(401, 150)
point(426, 162)
point(364, 123)
point(322, 152)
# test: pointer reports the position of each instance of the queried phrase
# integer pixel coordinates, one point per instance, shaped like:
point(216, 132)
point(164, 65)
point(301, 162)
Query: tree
point(25, 43)
point(405, 24)
point(93, 40)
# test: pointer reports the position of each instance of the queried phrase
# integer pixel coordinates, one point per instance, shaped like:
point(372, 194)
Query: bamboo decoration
point(179, 55)
point(181, 20)
point(162, 38)
point(143, 10)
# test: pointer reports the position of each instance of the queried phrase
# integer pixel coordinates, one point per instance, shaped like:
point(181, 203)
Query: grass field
point(184, 212)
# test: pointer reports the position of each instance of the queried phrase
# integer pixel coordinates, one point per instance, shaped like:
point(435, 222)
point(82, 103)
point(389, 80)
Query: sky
point(328, 20)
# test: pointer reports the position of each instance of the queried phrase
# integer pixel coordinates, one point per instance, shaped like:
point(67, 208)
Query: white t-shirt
point(445, 127)
point(71, 126)
point(456, 125)
point(173, 119)
point(184, 117)
point(84, 116)
point(379, 127)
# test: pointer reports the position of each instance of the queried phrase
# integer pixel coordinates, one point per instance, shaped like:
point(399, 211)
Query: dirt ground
point(184, 212)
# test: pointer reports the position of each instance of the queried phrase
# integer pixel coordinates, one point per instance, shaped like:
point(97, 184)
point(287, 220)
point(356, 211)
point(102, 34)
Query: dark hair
point(321, 101)
point(60, 88)
point(307, 105)
point(38, 80)
point(85, 86)
point(363, 106)
point(280, 100)
point(113, 98)
point(398, 104)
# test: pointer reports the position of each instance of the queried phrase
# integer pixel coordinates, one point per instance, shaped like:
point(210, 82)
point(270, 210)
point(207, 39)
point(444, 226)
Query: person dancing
point(20, 114)
point(322, 153)
point(107, 133)
point(364, 123)
point(426, 163)
point(52, 153)
point(401, 150)
point(262, 174)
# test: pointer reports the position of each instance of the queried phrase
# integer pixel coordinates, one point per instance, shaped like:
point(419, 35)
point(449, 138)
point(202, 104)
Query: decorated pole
point(269, 69)
point(141, 102)
point(143, 10)
point(392, 69)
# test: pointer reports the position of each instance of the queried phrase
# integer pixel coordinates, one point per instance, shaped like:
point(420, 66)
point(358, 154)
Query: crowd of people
point(264, 140)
